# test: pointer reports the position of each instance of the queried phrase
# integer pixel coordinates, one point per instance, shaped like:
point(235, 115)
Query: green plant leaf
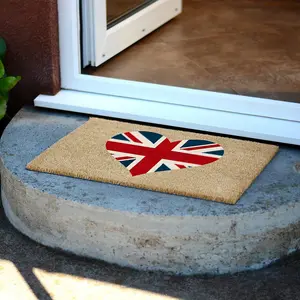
point(3, 104)
point(2, 69)
point(4, 96)
point(7, 83)
point(3, 107)
point(2, 48)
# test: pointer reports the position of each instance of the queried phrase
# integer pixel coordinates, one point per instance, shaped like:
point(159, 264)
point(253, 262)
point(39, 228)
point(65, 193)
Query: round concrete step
point(143, 229)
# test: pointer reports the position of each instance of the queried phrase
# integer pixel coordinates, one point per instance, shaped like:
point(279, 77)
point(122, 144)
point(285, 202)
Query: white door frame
point(251, 117)
point(101, 44)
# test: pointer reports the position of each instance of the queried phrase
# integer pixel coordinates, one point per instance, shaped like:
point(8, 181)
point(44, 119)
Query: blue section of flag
point(121, 137)
point(191, 143)
point(151, 136)
point(126, 163)
point(163, 167)
point(220, 152)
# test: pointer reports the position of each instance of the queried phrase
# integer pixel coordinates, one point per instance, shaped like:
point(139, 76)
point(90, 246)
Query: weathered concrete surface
point(51, 274)
point(143, 229)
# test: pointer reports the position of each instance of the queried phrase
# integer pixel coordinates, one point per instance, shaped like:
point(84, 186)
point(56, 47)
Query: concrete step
point(143, 229)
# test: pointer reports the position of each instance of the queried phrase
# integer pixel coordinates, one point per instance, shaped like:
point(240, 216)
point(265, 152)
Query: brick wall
point(30, 28)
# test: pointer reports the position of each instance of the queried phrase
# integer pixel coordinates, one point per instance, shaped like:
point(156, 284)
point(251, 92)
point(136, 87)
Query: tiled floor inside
point(245, 47)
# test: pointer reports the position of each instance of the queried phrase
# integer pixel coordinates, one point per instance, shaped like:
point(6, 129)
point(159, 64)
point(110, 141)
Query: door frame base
point(229, 123)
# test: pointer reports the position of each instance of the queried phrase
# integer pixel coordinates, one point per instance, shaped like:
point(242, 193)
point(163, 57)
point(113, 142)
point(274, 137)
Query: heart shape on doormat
point(143, 152)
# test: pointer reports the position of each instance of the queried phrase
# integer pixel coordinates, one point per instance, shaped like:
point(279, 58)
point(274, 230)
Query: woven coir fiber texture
point(83, 154)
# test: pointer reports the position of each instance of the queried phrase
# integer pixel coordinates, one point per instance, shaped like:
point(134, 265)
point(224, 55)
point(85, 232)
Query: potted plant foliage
point(6, 82)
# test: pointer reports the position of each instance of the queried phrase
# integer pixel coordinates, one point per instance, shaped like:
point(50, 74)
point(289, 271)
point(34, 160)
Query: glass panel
point(118, 10)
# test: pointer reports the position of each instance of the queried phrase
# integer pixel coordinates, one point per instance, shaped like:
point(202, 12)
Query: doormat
point(165, 160)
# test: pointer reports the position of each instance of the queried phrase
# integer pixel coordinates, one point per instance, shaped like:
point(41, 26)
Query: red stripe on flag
point(128, 148)
point(201, 147)
point(180, 166)
point(197, 159)
point(125, 157)
point(132, 137)
point(155, 156)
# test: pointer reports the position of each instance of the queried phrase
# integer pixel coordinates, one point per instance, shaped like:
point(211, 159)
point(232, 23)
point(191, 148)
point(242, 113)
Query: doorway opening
point(244, 47)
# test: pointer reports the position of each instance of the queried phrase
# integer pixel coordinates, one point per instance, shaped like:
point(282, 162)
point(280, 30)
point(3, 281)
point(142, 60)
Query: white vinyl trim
point(257, 127)
point(87, 32)
point(190, 108)
point(104, 44)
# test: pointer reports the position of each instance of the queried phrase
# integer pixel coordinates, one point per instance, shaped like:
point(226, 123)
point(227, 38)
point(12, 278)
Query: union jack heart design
point(143, 152)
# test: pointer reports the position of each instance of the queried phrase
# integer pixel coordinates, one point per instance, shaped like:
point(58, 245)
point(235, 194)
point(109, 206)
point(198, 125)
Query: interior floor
point(246, 47)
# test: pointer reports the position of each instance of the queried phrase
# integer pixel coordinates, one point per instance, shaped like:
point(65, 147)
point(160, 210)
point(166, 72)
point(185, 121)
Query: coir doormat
point(147, 157)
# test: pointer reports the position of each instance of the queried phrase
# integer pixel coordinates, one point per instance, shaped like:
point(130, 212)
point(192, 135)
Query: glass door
point(118, 10)
point(110, 26)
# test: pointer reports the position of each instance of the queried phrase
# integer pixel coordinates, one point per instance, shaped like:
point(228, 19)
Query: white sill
point(203, 119)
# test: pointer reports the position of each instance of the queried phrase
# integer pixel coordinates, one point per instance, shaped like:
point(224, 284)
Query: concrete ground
point(31, 271)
